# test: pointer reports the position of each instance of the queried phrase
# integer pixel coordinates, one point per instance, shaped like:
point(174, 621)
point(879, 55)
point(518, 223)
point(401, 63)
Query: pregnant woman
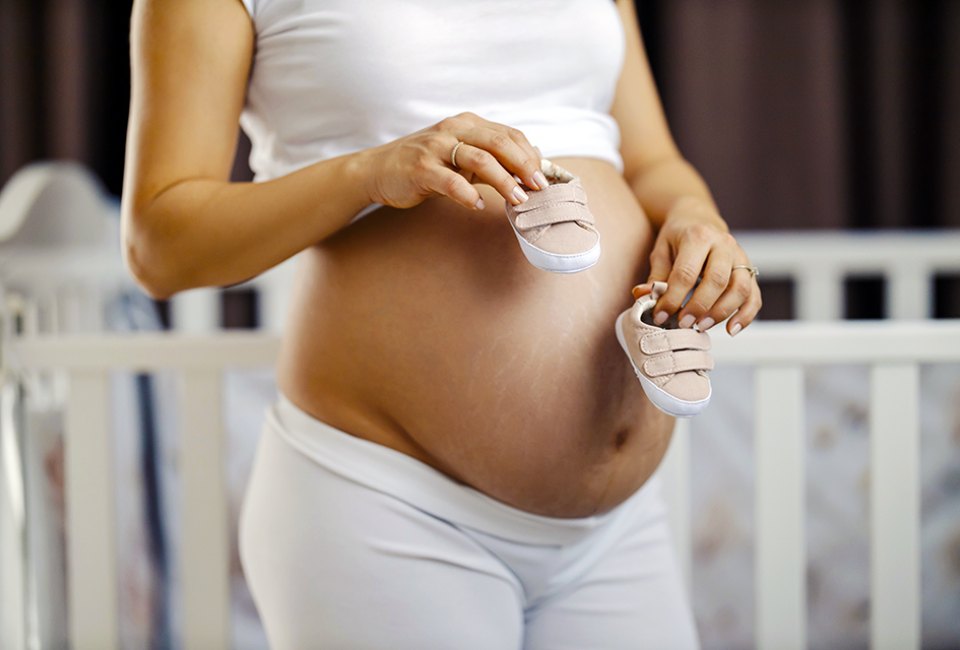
point(460, 455)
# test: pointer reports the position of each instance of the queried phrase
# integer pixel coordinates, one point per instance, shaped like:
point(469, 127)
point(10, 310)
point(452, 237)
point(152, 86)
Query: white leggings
point(349, 544)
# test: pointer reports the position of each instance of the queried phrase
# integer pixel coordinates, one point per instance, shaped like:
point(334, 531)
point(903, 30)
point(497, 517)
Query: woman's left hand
point(695, 243)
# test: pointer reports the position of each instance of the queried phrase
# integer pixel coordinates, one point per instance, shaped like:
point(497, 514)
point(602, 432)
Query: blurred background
point(801, 114)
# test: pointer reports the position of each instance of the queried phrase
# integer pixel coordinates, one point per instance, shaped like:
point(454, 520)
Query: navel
point(621, 438)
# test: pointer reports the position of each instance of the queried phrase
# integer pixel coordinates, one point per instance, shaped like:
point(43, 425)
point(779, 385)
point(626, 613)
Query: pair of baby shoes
point(556, 232)
point(554, 226)
point(671, 363)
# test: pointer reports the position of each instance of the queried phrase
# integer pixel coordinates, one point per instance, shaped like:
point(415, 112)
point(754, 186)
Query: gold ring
point(453, 154)
point(754, 271)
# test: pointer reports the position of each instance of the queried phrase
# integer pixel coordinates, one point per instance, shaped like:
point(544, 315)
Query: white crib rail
point(779, 351)
point(818, 262)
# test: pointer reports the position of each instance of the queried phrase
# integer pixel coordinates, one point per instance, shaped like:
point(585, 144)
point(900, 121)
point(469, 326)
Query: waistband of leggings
point(406, 478)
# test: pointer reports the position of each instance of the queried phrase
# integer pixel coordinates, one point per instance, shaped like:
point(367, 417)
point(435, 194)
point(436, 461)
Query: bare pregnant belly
point(426, 330)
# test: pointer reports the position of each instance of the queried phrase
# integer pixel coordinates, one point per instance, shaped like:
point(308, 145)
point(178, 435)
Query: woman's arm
point(693, 240)
point(653, 166)
point(185, 225)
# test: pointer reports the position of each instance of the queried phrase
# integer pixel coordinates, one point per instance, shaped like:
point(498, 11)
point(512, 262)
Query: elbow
point(150, 279)
point(148, 259)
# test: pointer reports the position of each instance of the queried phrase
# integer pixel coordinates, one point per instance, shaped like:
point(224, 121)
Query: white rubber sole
point(554, 262)
point(663, 400)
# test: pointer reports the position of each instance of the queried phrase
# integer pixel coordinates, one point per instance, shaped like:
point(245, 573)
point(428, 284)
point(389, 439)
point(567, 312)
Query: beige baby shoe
point(554, 226)
point(671, 363)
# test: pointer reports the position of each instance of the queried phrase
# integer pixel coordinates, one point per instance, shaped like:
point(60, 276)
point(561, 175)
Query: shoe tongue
point(643, 310)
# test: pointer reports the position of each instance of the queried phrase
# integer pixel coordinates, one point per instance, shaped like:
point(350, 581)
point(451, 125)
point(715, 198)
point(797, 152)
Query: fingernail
point(705, 324)
point(660, 318)
point(687, 321)
point(519, 194)
point(540, 180)
point(735, 328)
point(480, 204)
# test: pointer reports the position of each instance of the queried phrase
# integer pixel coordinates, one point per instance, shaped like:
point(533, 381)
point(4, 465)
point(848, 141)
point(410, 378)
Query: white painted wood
point(32, 267)
point(761, 343)
point(196, 311)
point(819, 293)
point(204, 566)
point(272, 306)
point(675, 481)
point(895, 507)
point(843, 342)
point(12, 525)
point(909, 292)
point(785, 253)
point(91, 514)
point(781, 603)
point(148, 351)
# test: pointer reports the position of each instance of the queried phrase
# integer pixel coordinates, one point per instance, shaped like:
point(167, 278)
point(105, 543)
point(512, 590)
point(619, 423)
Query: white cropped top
point(335, 76)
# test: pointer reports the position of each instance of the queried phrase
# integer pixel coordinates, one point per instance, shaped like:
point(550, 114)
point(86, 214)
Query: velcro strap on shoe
point(553, 214)
point(669, 364)
point(556, 204)
point(565, 193)
point(670, 340)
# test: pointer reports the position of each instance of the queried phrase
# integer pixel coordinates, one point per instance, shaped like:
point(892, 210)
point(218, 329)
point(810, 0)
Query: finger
point(715, 277)
point(683, 277)
point(446, 182)
point(533, 153)
point(748, 312)
point(660, 262)
point(518, 160)
point(735, 296)
point(487, 169)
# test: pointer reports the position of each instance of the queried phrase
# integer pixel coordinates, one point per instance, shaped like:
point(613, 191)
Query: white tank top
point(332, 77)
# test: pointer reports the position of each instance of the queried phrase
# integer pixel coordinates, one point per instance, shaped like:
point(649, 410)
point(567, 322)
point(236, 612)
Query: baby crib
point(778, 353)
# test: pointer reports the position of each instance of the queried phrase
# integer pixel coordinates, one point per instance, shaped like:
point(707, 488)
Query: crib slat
point(780, 593)
point(196, 311)
point(675, 473)
point(91, 514)
point(908, 292)
point(275, 292)
point(13, 578)
point(895, 507)
point(206, 543)
point(819, 293)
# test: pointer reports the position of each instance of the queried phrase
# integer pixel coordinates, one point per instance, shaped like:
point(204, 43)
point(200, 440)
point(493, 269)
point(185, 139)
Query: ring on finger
point(453, 154)
point(754, 271)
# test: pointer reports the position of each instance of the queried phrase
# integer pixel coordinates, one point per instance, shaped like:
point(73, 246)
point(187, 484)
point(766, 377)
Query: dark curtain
point(821, 113)
point(64, 84)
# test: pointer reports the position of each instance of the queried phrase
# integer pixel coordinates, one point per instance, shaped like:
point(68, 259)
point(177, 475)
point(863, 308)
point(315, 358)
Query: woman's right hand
point(407, 171)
